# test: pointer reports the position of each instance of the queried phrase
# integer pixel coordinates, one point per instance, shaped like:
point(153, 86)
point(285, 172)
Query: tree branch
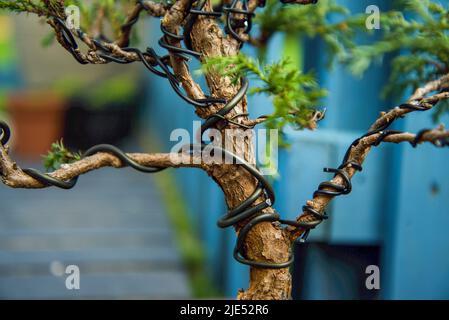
point(438, 137)
point(395, 113)
point(13, 176)
point(439, 84)
point(359, 152)
point(152, 8)
point(312, 124)
point(172, 22)
point(300, 1)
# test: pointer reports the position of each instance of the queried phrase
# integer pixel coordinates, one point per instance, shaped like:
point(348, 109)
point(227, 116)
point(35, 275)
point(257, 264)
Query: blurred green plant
point(117, 90)
point(311, 21)
point(59, 155)
point(190, 246)
point(2, 103)
point(295, 95)
point(32, 6)
point(114, 90)
point(417, 33)
point(113, 13)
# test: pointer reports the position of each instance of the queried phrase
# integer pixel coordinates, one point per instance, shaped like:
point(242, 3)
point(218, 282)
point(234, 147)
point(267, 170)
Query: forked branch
point(313, 211)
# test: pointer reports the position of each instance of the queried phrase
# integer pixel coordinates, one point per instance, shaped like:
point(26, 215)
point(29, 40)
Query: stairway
point(112, 226)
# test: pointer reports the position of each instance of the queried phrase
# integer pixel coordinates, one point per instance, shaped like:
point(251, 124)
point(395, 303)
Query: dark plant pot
point(85, 126)
point(37, 118)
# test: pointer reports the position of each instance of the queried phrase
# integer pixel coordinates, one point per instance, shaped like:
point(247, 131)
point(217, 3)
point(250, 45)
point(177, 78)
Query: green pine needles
point(114, 11)
point(295, 95)
point(415, 34)
point(31, 6)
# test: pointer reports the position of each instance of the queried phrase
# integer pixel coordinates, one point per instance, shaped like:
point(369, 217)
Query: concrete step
point(80, 239)
point(112, 225)
point(162, 254)
point(149, 285)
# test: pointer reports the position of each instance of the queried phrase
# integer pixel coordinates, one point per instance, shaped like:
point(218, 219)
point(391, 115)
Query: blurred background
point(155, 237)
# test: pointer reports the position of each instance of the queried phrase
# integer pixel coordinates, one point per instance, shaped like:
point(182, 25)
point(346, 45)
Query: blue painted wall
point(416, 254)
point(397, 213)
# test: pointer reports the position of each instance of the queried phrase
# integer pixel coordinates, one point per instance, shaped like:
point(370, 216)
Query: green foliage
point(114, 11)
point(190, 247)
point(33, 6)
point(295, 95)
point(327, 20)
point(2, 102)
point(48, 40)
point(39, 7)
point(113, 90)
point(419, 28)
point(416, 32)
point(59, 155)
point(116, 90)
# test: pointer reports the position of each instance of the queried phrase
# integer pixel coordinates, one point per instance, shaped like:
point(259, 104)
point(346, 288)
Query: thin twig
point(152, 8)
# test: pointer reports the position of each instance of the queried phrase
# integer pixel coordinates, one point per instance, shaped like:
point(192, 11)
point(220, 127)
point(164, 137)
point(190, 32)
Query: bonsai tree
point(214, 32)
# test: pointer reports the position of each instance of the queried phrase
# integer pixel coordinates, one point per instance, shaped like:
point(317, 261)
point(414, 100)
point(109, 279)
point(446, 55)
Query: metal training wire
point(250, 211)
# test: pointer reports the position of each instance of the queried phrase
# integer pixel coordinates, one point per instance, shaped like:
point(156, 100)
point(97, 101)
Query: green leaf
point(59, 155)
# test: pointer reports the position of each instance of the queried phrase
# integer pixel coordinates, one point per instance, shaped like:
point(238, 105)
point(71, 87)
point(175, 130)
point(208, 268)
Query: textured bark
point(266, 242)
point(13, 176)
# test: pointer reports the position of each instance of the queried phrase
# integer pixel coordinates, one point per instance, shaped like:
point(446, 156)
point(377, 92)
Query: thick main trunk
point(265, 242)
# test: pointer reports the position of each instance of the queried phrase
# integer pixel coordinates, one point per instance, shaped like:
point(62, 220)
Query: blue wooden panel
point(300, 173)
point(334, 271)
point(417, 246)
point(354, 218)
point(359, 215)
point(352, 105)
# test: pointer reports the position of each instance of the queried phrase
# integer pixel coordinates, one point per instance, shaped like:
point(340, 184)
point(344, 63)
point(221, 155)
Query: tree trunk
point(266, 242)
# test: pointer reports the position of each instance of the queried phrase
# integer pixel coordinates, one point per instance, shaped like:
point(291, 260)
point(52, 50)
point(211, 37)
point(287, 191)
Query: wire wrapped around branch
point(97, 157)
point(312, 216)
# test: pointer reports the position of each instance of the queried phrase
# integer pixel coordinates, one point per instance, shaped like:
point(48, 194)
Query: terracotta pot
point(37, 120)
